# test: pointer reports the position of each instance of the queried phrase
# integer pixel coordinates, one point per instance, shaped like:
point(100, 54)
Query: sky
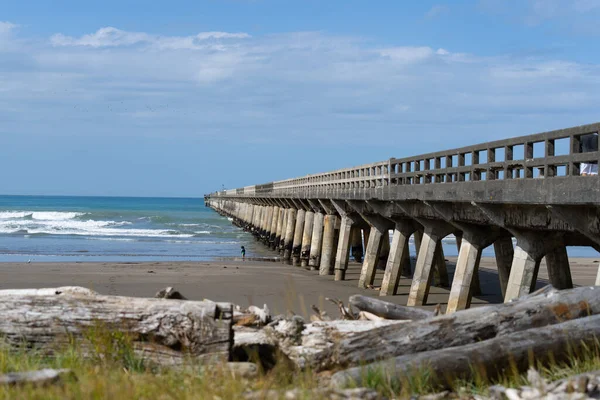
point(181, 98)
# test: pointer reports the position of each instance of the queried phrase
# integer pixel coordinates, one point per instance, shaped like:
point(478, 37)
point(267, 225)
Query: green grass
point(422, 381)
point(112, 370)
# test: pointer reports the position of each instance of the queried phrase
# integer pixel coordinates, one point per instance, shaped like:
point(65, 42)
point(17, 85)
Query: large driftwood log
point(351, 347)
point(163, 331)
point(41, 377)
point(489, 358)
point(388, 310)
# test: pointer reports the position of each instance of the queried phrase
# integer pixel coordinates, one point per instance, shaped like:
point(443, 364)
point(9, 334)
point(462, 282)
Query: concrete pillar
point(306, 238)
point(280, 220)
point(365, 233)
point(343, 249)
point(475, 284)
point(559, 270)
point(384, 253)
point(268, 221)
point(504, 252)
point(440, 272)
point(283, 231)
point(597, 283)
point(316, 242)
point(428, 251)
point(258, 217)
point(467, 266)
point(273, 230)
point(297, 244)
point(367, 274)
point(356, 244)
point(399, 258)
point(289, 234)
point(530, 249)
point(261, 222)
point(418, 237)
point(249, 211)
point(327, 255)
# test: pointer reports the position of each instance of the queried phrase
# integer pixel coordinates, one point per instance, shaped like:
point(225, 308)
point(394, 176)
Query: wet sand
point(281, 287)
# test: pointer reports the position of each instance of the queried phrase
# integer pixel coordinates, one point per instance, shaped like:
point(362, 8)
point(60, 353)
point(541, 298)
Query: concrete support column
point(384, 253)
point(399, 258)
point(306, 238)
point(248, 218)
point(504, 252)
point(268, 221)
point(281, 244)
point(314, 259)
point(255, 217)
point(428, 251)
point(259, 219)
point(261, 222)
point(530, 249)
point(597, 283)
point(343, 248)
point(297, 243)
point(440, 272)
point(377, 237)
point(273, 230)
point(367, 274)
point(475, 284)
point(366, 233)
point(559, 270)
point(289, 234)
point(328, 245)
point(467, 267)
point(280, 220)
point(356, 244)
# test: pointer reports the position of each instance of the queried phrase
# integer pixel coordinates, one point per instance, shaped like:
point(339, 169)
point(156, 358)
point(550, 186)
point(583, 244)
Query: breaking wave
point(76, 223)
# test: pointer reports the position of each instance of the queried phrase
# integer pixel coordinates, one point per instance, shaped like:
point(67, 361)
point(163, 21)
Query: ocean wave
point(79, 227)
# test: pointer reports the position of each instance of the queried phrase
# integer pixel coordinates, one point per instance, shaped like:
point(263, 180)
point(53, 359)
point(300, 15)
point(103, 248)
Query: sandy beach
point(280, 286)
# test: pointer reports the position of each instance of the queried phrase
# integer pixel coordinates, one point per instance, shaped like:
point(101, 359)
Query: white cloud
point(6, 27)
point(285, 88)
point(113, 37)
point(407, 54)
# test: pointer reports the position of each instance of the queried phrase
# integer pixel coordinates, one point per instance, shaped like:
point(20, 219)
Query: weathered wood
point(63, 290)
point(41, 377)
point(163, 331)
point(388, 310)
point(352, 347)
point(489, 358)
point(305, 344)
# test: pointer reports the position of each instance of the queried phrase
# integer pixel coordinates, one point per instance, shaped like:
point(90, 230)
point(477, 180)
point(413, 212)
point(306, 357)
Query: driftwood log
point(41, 377)
point(388, 310)
point(489, 358)
point(322, 345)
point(163, 331)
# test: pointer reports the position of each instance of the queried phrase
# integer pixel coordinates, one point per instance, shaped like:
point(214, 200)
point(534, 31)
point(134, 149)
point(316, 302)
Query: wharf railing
point(545, 155)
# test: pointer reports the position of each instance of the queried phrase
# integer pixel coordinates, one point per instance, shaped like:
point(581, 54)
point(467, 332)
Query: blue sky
point(178, 98)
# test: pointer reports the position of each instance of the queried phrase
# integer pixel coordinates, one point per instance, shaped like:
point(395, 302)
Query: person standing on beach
point(243, 253)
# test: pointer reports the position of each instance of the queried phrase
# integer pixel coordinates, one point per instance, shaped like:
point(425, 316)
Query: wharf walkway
point(528, 190)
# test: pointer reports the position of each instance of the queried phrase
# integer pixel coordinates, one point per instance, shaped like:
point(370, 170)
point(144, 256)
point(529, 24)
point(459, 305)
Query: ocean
point(56, 228)
point(130, 229)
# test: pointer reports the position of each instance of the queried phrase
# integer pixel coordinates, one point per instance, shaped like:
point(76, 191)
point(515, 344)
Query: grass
point(112, 370)
point(422, 381)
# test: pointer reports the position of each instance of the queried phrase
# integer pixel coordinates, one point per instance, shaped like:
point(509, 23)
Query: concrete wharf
point(527, 190)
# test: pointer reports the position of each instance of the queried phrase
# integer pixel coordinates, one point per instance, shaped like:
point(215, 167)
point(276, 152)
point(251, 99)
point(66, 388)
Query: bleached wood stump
point(163, 331)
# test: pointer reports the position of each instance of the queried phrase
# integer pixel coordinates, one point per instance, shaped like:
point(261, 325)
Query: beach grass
point(106, 367)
